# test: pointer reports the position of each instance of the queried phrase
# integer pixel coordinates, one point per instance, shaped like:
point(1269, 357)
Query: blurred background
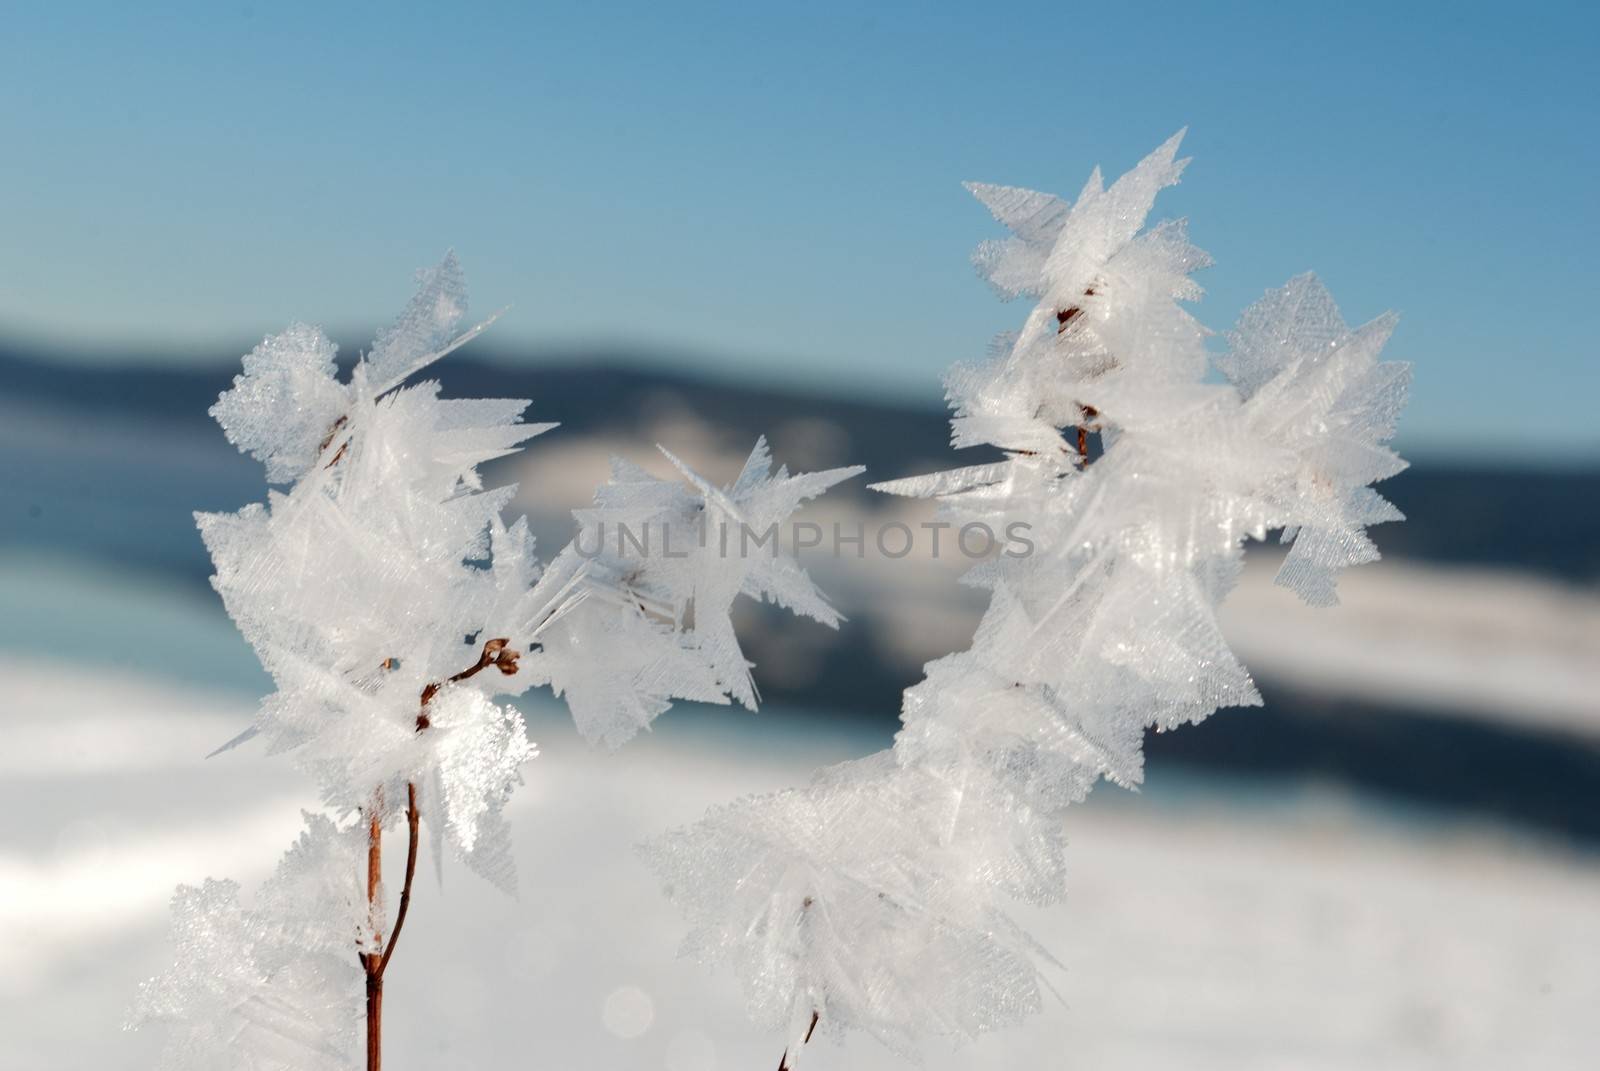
point(716, 222)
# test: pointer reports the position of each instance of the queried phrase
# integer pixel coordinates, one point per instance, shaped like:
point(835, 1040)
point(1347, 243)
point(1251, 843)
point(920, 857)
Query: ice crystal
point(272, 987)
point(877, 896)
point(394, 607)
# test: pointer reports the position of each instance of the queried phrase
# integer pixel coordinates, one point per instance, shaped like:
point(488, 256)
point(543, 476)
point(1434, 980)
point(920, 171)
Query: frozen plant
point(395, 611)
point(876, 897)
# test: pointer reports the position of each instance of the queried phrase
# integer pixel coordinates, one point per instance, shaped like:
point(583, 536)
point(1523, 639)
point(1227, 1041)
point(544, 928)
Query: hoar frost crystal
point(395, 610)
point(876, 896)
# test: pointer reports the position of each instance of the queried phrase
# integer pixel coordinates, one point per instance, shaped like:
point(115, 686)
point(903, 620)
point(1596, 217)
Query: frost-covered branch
point(363, 584)
point(877, 896)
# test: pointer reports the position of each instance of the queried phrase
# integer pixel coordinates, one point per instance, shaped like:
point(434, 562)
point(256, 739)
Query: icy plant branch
point(877, 896)
point(378, 570)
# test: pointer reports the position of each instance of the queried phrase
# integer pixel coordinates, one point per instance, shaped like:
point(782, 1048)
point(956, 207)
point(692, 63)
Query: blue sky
point(774, 190)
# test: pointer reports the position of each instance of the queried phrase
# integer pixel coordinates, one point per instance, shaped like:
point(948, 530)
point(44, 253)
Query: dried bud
point(507, 661)
point(493, 647)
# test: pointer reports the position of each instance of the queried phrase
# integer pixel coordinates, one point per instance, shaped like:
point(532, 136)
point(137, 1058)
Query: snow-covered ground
point(1209, 926)
point(1498, 646)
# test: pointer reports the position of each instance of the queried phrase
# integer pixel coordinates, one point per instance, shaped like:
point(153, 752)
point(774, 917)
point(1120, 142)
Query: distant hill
point(1541, 519)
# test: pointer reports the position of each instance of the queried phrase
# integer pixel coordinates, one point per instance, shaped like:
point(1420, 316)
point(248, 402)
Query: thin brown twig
point(1089, 413)
point(1071, 312)
point(1064, 319)
point(337, 424)
point(783, 1064)
point(375, 854)
point(413, 822)
point(495, 653)
point(374, 1022)
point(369, 960)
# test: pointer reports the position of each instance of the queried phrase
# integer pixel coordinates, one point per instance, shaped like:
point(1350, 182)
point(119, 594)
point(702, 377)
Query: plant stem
point(374, 1021)
point(369, 960)
point(783, 1064)
point(373, 964)
point(495, 653)
point(413, 821)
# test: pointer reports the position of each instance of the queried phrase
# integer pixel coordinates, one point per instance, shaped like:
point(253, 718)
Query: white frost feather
point(876, 897)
